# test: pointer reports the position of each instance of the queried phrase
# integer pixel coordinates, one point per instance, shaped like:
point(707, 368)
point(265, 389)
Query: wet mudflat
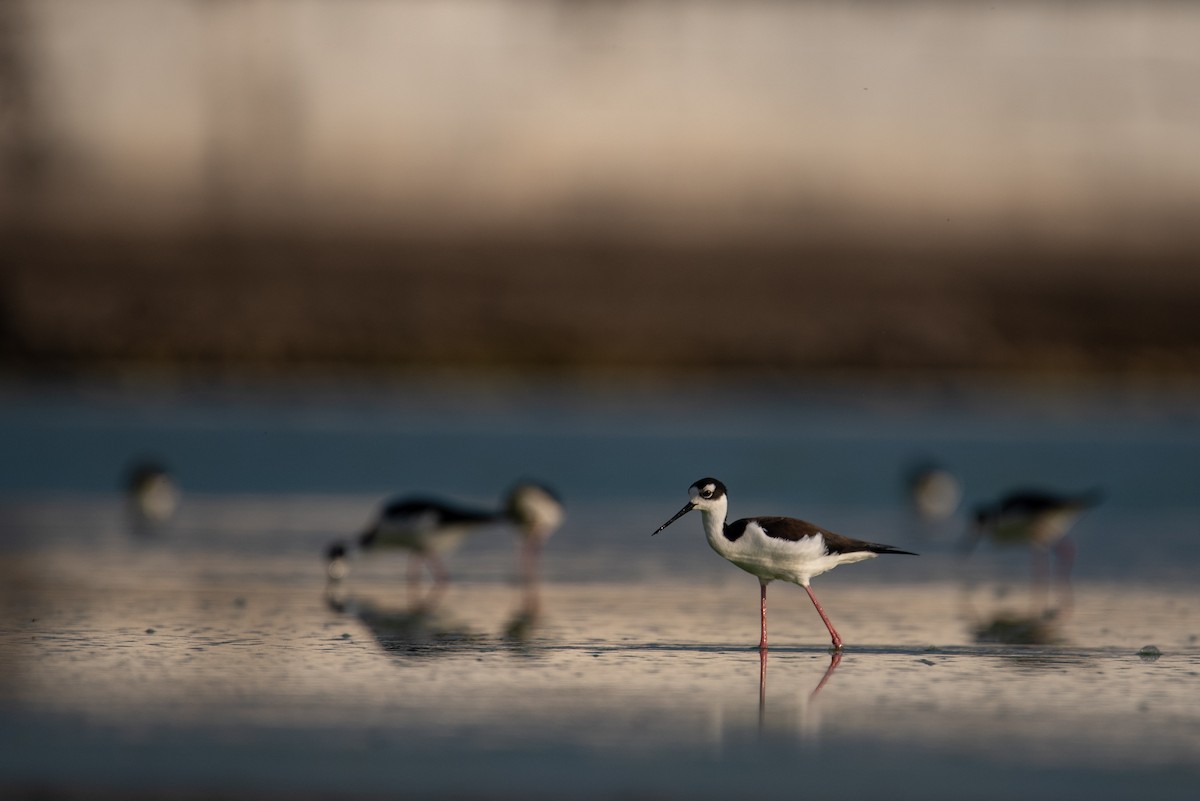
point(135, 666)
point(210, 655)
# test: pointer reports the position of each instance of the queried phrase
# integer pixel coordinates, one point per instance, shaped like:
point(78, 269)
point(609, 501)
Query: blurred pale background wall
point(600, 182)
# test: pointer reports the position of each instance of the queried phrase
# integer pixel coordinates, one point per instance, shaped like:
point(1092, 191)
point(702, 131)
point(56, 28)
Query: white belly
point(771, 558)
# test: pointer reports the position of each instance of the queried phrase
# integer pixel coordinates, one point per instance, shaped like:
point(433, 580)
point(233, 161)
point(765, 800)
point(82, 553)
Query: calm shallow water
point(211, 655)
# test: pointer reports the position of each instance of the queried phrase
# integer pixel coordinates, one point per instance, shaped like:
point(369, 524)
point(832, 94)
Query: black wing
point(1034, 502)
point(444, 513)
point(789, 528)
point(781, 528)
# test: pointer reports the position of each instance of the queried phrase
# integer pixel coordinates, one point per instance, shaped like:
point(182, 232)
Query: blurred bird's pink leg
point(1039, 568)
point(531, 551)
point(440, 574)
point(1065, 553)
point(414, 577)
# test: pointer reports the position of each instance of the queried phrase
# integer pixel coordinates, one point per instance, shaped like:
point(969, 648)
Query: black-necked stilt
point(1037, 519)
point(152, 493)
point(430, 528)
point(1030, 517)
point(933, 491)
point(775, 547)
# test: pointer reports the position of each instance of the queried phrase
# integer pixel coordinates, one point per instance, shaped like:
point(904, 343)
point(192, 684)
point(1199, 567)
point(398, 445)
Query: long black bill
point(678, 515)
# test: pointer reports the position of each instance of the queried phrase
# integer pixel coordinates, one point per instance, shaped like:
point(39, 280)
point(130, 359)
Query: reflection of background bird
point(775, 547)
point(152, 493)
point(429, 528)
point(1017, 629)
point(1036, 519)
point(421, 629)
point(933, 491)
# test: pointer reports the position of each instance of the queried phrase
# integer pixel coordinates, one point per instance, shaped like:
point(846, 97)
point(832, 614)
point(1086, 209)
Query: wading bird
point(429, 529)
point(1038, 520)
point(775, 547)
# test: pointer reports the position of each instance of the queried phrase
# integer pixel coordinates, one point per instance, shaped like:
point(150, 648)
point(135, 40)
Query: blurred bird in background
point(1040, 521)
point(430, 528)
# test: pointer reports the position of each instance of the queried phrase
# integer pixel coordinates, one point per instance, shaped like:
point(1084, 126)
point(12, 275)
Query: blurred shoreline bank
point(561, 187)
point(295, 300)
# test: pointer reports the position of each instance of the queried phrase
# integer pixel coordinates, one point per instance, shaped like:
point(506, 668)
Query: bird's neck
point(714, 525)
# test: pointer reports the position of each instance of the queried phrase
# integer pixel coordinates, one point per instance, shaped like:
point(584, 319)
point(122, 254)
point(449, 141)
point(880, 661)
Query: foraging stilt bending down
point(429, 529)
point(1030, 517)
point(775, 547)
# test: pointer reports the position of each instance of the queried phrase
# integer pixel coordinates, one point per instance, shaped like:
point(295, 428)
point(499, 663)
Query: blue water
point(835, 454)
point(769, 439)
point(210, 655)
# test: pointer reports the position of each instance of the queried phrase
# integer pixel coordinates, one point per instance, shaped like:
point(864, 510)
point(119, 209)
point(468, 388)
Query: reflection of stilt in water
point(1018, 630)
point(418, 629)
point(762, 688)
point(835, 659)
point(527, 616)
point(807, 723)
point(1014, 628)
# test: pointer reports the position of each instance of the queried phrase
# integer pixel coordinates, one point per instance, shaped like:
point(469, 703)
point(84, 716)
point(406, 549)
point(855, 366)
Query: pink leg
point(1065, 551)
point(441, 580)
point(414, 577)
point(762, 643)
point(837, 640)
point(1039, 568)
point(531, 550)
point(440, 574)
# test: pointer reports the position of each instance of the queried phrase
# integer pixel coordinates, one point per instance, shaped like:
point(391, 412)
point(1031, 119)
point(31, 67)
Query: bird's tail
point(878, 548)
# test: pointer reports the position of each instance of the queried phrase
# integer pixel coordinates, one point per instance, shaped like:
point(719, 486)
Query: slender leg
point(837, 640)
point(440, 574)
point(441, 580)
point(531, 551)
point(762, 643)
point(1039, 568)
point(414, 577)
point(1065, 551)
